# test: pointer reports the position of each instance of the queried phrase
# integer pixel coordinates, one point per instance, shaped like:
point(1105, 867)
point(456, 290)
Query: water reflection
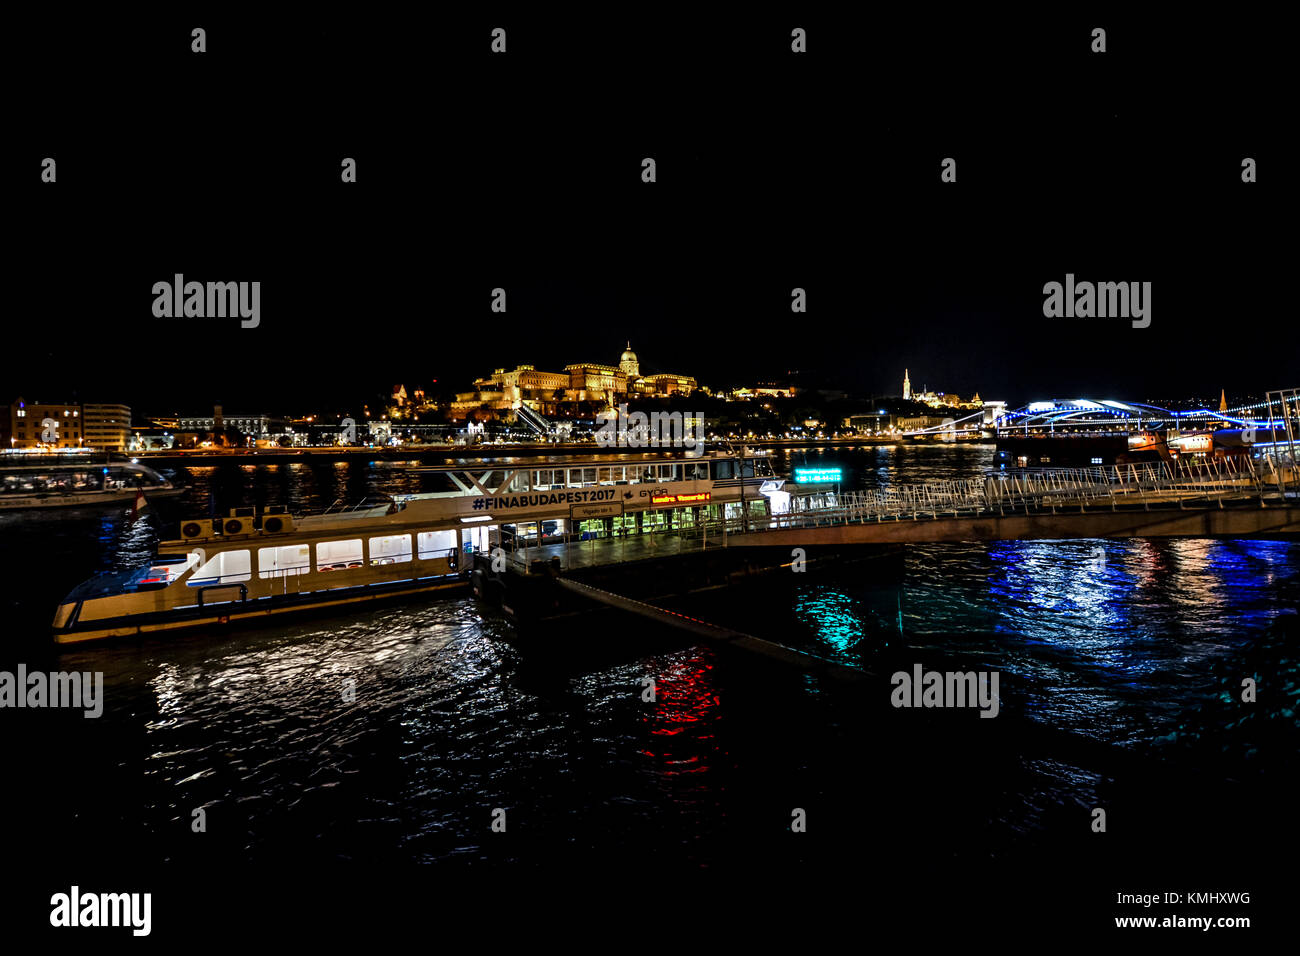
point(685, 709)
point(1075, 591)
point(1102, 638)
point(833, 616)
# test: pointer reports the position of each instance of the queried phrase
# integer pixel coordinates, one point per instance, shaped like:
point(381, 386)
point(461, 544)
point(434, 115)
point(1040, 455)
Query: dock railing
point(1181, 483)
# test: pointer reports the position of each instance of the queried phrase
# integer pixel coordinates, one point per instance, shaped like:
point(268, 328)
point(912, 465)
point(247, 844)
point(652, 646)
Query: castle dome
point(627, 363)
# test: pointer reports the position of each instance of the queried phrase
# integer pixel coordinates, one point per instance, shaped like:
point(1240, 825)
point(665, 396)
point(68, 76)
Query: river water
point(1120, 662)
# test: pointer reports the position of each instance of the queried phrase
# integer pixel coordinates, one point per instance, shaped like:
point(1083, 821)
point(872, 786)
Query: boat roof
point(16, 467)
point(649, 458)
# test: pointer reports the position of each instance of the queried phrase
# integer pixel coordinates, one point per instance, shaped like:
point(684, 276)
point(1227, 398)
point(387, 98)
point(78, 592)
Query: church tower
point(907, 386)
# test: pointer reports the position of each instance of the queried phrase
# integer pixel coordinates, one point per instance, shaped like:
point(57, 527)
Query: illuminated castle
point(558, 393)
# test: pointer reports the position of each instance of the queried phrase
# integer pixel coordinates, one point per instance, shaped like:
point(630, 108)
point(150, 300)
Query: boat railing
point(345, 508)
point(1179, 482)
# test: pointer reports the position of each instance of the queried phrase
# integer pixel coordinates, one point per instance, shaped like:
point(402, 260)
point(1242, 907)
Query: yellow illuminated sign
point(1196, 443)
point(696, 498)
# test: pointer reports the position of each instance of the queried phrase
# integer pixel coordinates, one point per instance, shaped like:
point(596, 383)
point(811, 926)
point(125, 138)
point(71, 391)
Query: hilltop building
point(570, 393)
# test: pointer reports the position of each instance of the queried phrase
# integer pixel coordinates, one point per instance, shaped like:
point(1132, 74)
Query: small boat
point(253, 565)
point(69, 482)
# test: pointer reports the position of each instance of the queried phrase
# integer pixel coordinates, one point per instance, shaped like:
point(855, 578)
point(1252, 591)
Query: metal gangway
point(1178, 483)
point(535, 421)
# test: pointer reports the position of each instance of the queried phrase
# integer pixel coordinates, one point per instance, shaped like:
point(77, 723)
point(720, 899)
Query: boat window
point(749, 468)
point(338, 555)
point(435, 544)
point(390, 549)
point(224, 568)
point(581, 477)
point(696, 470)
point(283, 561)
point(478, 537)
point(610, 475)
point(670, 472)
point(724, 470)
point(542, 480)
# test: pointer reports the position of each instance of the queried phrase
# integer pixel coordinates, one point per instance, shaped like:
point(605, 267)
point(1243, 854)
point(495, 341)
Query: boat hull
point(92, 499)
point(233, 569)
point(249, 611)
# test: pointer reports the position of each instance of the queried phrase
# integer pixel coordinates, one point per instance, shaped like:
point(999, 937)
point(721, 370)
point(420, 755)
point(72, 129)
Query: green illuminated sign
point(818, 474)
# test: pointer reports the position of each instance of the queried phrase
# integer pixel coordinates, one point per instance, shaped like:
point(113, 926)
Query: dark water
point(1121, 666)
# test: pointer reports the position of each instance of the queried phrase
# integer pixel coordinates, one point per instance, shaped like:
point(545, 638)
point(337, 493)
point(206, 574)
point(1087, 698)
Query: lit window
point(283, 561)
point(390, 549)
point(224, 568)
point(338, 555)
point(435, 544)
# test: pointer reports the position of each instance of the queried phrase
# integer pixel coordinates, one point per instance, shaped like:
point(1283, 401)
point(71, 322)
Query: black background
point(523, 171)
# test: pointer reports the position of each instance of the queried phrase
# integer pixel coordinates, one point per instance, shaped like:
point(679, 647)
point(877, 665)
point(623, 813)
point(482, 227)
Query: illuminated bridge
point(1106, 415)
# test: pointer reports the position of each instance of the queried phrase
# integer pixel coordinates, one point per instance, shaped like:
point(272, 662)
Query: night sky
point(774, 171)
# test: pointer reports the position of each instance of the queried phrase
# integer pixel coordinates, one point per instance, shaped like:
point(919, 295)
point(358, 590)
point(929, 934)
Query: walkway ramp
point(720, 635)
point(534, 420)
